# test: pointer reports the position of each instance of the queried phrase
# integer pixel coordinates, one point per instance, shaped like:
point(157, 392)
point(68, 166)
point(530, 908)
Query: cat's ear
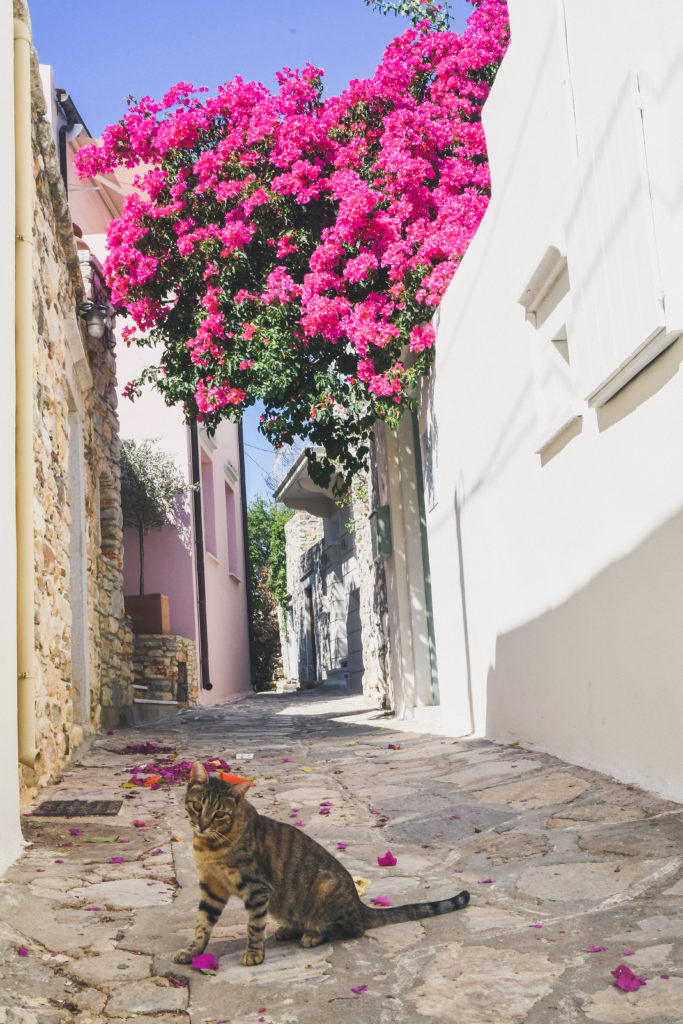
point(240, 789)
point(198, 772)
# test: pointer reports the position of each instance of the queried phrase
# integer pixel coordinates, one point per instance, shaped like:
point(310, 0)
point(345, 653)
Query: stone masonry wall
point(167, 666)
point(302, 533)
point(102, 457)
point(66, 401)
point(334, 556)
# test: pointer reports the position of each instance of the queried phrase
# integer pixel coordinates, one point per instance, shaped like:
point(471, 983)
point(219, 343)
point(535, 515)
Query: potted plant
point(150, 486)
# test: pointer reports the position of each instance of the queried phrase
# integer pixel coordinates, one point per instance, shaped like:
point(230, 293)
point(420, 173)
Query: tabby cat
point(274, 867)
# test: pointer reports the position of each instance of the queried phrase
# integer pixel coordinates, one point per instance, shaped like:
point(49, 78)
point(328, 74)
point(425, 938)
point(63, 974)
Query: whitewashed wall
point(556, 542)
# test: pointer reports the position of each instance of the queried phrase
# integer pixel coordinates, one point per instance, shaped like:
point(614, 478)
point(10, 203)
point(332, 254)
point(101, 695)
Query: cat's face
point(211, 804)
point(210, 808)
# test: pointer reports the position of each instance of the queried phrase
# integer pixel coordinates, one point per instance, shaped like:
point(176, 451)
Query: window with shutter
point(618, 320)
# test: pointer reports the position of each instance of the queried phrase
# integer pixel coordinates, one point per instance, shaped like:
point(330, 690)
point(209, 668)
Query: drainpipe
point(199, 559)
point(245, 547)
point(23, 339)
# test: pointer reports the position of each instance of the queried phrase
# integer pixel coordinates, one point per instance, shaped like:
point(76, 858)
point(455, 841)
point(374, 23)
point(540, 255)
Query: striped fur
point(275, 869)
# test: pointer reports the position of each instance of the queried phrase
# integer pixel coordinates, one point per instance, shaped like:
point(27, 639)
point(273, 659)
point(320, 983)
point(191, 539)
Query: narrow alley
point(571, 876)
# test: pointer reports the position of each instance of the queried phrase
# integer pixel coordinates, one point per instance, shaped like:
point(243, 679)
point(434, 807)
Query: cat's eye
point(196, 806)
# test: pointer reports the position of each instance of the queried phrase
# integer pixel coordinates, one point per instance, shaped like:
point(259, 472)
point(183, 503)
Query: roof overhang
point(298, 491)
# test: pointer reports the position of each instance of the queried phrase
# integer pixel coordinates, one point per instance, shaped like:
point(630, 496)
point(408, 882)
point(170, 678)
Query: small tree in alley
point(150, 487)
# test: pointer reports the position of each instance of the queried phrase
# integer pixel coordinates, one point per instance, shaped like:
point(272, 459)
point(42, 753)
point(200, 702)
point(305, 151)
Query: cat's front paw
point(252, 957)
point(183, 956)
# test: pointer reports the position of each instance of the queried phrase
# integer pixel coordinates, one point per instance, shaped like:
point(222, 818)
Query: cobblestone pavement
point(571, 875)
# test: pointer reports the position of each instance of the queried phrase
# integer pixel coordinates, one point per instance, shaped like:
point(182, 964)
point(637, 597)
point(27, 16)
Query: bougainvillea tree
point(291, 249)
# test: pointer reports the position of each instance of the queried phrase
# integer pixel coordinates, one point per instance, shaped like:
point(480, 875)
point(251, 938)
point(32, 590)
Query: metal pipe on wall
point(206, 683)
point(23, 340)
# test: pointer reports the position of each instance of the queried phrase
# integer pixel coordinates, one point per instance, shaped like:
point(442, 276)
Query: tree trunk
point(141, 542)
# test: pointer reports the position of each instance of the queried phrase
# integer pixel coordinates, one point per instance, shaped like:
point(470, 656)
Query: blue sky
point(103, 52)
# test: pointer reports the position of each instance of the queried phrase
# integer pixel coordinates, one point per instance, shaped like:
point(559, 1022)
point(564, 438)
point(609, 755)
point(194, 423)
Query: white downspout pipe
point(23, 339)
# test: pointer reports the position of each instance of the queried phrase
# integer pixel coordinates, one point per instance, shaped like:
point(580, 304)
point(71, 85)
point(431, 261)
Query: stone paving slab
point(570, 874)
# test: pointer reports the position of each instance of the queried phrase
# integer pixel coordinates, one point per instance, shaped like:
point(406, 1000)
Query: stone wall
point(83, 641)
point(167, 667)
point(330, 559)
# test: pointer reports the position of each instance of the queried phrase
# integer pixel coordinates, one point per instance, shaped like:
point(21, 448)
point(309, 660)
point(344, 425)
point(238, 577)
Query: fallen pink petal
point(381, 901)
point(117, 860)
point(535, 925)
point(285, 759)
point(453, 817)
point(387, 861)
point(665, 976)
point(486, 881)
point(205, 962)
point(359, 988)
point(140, 824)
point(324, 810)
point(625, 979)
point(75, 831)
point(301, 823)
point(22, 951)
point(341, 846)
point(629, 952)
point(597, 949)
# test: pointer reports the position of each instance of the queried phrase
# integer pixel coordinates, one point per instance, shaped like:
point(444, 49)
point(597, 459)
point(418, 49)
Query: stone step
point(146, 709)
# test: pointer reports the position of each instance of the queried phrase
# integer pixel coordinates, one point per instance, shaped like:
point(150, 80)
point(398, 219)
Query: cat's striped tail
point(375, 917)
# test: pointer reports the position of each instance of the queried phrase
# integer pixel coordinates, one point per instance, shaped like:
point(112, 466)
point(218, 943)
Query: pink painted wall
point(169, 558)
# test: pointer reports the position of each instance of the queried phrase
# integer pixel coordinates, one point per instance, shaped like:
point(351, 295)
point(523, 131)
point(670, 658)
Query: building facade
point(556, 522)
point(61, 510)
point(335, 629)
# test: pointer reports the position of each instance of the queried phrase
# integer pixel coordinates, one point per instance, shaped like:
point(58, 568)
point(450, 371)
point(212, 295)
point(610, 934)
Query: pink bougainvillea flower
point(486, 881)
point(396, 167)
point(140, 824)
point(625, 979)
point(597, 949)
point(629, 952)
point(341, 846)
point(324, 810)
point(381, 901)
point(387, 861)
point(665, 976)
point(285, 759)
point(117, 860)
point(205, 962)
point(22, 951)
point(75, 831)
point(359, 988)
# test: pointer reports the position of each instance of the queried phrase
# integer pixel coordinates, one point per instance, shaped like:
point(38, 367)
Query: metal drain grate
point(78, 808)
